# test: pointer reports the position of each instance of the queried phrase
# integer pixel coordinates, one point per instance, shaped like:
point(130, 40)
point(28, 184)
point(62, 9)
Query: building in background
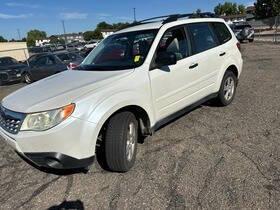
point(72, 37)
point(107, 32)
point(41, 43)
point(17, 50)
point(250, 15)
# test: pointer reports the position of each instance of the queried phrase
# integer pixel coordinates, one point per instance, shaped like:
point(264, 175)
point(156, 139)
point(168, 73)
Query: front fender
point(104, 110)
point(118, 101)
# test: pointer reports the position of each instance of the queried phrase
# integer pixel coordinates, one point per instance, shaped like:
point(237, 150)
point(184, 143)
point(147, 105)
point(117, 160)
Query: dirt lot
point(216, 158)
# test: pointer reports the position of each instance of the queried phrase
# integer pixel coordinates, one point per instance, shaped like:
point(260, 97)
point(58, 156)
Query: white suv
point(134, 82)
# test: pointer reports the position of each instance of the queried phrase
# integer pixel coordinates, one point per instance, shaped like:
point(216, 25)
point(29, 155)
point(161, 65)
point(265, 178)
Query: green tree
point(119, 26)
point(241, 9)
point(114, 26)
point(229, 8)
point(34, 35)
point(54, 39)
point(267, 8)
point(2, 39)
point(198, 11)
point(89, 35)
point(104, 25)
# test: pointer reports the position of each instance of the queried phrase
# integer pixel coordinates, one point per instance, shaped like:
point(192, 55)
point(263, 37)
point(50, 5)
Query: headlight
point(42, 121)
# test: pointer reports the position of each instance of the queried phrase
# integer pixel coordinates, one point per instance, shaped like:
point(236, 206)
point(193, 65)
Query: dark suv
point(243, 32)
point(10, 70)
point(47, 64)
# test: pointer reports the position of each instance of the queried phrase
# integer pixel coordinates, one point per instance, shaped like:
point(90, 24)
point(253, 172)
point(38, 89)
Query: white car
point(134, 82)
point(91, 44)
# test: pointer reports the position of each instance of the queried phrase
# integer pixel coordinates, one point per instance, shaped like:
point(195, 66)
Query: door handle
point(222, 54)
point(193, 66)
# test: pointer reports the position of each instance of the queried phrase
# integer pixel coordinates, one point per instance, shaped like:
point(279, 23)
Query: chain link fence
point(267, 30)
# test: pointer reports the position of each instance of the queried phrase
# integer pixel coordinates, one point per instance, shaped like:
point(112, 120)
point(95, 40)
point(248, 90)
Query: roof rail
point(171, 18)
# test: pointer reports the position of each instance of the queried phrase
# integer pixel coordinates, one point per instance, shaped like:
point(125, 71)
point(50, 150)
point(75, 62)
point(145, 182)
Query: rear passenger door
point(205, 54)
point(224, 36)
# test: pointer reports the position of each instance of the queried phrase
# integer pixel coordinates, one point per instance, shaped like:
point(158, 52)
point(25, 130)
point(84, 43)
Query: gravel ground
point(217, 158)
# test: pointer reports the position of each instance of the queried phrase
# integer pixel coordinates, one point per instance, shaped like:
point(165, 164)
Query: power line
point(19, 36)
point(64, 33)
point(134, 12)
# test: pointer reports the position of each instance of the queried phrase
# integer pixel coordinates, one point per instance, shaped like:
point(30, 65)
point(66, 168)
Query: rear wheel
point(227, 90)
point(121, 140)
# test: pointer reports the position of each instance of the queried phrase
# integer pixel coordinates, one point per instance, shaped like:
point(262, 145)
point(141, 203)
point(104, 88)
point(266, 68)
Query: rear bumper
point(54, 160)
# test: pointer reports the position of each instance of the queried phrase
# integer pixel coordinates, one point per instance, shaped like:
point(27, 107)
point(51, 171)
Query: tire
point(251, 40)
point(121, 139)
point(227, 90)
point(27, 78)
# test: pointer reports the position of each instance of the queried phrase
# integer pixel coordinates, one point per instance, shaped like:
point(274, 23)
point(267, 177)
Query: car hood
point(59, 90)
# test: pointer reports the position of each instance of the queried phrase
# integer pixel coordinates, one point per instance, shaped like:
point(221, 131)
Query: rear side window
point(63, 57)
point(222, 32)
point(202, 36)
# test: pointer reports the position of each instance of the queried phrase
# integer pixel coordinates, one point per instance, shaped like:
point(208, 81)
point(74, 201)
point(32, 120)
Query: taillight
point(238, 46)
point(71, 66)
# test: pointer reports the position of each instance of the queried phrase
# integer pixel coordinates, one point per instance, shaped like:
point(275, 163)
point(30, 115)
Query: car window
point(222, 32)
point(241, 27)
point(8, 61)
point(63, 57)
point(174, 41)
point(202, 37)
point(74, 56)
point(46, 60)
point(51, 60)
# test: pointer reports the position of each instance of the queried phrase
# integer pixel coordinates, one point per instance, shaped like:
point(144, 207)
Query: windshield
point(120, 51)
point(7, 61)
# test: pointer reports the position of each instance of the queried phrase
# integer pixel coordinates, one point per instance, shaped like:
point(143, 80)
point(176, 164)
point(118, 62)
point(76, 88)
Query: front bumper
point(5, 77)
point(54, 160)
point(70, 145)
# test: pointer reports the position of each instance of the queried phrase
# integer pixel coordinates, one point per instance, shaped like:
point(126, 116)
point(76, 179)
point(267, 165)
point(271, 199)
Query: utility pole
point(134, 12)
point(64, 32)
point(19, 36)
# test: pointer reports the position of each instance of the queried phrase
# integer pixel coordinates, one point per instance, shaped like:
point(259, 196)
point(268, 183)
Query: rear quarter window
point(222, 32)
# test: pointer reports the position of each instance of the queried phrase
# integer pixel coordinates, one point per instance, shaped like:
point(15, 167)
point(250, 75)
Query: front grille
point(11, 121)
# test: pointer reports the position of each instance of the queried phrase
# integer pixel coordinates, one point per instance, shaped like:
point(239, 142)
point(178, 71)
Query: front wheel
point(27, 78)
point(121, 140)
point(228, 89)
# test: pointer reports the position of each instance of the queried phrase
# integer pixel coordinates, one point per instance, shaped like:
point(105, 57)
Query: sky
point(82, 15)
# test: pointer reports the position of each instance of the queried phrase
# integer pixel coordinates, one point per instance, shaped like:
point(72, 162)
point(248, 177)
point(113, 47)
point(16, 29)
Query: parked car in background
point(10, 70)
point(47, 64)
point(38, 50)
point(243, 31)
point(92, 44)
point(71, 59)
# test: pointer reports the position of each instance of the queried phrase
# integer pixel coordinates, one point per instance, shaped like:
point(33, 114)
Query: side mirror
point(166, 59)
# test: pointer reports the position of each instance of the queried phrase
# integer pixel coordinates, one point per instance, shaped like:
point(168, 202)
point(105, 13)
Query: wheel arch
point(234, 70)
point(140, 113)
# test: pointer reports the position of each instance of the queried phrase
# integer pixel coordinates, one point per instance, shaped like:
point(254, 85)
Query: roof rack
point(171, 18)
